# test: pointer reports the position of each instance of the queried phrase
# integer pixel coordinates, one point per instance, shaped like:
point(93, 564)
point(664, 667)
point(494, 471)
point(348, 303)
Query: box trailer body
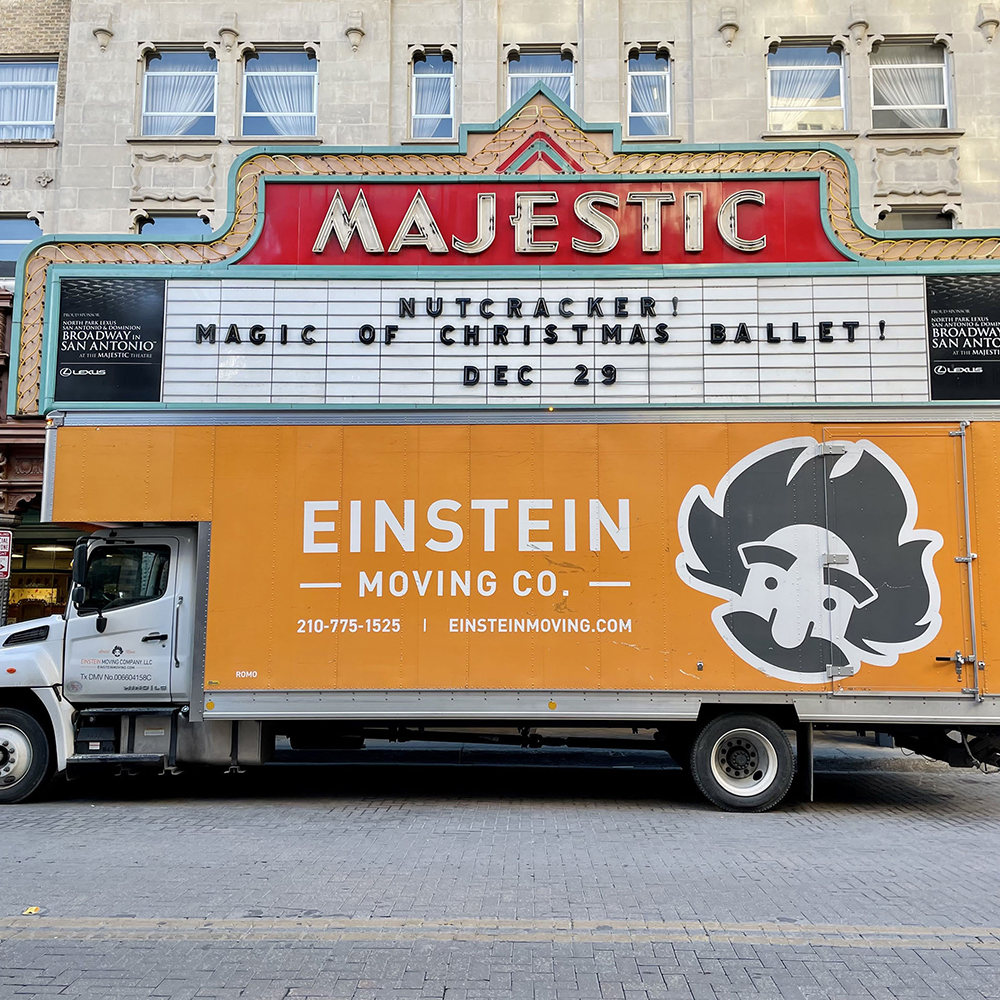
point(554, 438)
point(590, 557)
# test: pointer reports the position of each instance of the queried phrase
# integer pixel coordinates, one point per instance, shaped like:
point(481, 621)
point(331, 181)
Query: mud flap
point(804, 785)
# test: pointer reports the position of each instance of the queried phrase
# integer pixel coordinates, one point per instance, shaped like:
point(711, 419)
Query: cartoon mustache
point(812, 655)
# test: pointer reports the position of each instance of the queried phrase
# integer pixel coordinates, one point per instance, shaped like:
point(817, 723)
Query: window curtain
point(20, 103)
point(798, 91)
point(649, 103)
point(536, 67)
point(433, 97)
point(902, 87)
point(185, 98)
point(286, 100)
point(561, 86)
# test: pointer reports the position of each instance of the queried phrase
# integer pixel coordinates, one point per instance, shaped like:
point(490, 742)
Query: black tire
point(742, 763)
point(25, 755)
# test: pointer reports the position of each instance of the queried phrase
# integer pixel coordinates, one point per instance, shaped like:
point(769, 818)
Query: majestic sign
point(522, 222)
point(110, 340)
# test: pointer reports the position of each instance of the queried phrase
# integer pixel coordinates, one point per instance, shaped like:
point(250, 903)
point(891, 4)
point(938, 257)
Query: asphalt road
point(457, 873)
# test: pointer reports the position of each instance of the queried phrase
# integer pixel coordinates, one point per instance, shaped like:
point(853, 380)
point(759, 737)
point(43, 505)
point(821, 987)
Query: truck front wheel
point(24, 755)
point(742, 763)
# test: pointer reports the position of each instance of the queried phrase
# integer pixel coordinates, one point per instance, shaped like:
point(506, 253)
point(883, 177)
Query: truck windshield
point(120, 576)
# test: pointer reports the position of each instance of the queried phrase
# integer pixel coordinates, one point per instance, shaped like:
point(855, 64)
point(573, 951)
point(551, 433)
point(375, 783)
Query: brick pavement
point(505, 882)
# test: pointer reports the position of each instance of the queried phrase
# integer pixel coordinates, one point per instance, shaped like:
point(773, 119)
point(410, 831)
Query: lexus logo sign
point(957, 370)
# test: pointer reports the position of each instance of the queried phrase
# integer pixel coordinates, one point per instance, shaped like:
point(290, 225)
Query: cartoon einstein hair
point(862, 497)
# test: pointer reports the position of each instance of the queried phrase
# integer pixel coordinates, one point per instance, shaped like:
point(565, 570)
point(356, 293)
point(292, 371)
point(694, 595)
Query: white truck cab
point(126, 639)
point(129, 632)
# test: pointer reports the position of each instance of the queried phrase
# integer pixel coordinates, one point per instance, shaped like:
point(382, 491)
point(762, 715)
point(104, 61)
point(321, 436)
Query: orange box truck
point(711, 584)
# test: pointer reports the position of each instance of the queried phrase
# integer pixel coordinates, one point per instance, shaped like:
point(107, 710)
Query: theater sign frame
point(540, 139)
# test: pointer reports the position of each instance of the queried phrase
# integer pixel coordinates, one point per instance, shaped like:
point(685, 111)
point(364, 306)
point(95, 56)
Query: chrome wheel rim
point(15, 755)
point(744, 762)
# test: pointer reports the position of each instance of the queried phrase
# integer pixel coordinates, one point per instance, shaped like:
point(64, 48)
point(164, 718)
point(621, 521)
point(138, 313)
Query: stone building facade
point(125, 117)
point(102, 170)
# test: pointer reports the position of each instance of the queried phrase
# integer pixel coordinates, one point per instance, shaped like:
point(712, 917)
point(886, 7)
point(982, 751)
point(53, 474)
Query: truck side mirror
point(80, 562)
point(79, 595)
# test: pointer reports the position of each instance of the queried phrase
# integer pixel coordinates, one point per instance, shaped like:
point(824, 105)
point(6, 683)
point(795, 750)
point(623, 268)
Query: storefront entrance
point(39, 572)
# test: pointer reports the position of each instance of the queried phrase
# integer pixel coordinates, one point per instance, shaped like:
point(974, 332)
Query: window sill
point(7, 143)
point(175, 140)
point(276, 140)
point(920, 133)
point(429, 141)
point(646, 139)
point(806, 136)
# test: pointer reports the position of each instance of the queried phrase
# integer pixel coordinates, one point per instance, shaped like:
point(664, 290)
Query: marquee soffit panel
point(540, 137)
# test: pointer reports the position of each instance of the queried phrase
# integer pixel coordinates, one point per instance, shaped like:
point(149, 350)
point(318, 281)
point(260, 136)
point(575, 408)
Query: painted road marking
point(471, 929)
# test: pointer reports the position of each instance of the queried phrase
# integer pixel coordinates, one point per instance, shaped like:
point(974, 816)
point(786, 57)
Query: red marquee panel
point(789, 218)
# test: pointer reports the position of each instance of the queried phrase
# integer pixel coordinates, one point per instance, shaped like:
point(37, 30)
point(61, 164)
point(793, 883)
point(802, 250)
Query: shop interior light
point(51, 548)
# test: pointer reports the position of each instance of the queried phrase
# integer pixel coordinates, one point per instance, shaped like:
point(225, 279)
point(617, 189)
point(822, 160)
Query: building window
point(39, 575)
point(910, 218)
point(909, 87)
point(279, 94)
point(27, 100)
point(16, 232)
point(174, 226)
point(179, 93)
point(648, 93)
point(433, 86)
point(805, 87)
point(555, 68)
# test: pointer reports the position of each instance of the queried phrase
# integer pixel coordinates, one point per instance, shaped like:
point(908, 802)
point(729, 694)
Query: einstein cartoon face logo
point(815, 552)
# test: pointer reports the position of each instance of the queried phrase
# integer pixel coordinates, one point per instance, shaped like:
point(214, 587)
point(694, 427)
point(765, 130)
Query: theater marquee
point(536, 263)
point(608, 341)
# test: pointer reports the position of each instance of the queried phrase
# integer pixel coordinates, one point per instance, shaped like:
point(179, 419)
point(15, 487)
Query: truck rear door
point(131, 588)
point(896, 565)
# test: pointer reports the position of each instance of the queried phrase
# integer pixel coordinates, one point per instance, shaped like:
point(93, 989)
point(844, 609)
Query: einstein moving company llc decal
point(814, 551)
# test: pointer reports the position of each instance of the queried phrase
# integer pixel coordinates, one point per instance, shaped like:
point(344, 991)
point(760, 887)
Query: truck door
point(130, 590)
point(896, 567)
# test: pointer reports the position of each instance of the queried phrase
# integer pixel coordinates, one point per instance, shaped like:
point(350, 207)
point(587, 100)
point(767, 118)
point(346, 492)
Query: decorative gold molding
point(485, 153)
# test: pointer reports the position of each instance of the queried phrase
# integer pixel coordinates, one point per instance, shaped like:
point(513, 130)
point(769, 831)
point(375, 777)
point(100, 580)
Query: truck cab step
point(128, 709)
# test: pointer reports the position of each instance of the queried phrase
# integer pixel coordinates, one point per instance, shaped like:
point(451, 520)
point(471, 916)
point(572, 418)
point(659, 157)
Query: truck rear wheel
point(24, 755)
point(742, 763)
